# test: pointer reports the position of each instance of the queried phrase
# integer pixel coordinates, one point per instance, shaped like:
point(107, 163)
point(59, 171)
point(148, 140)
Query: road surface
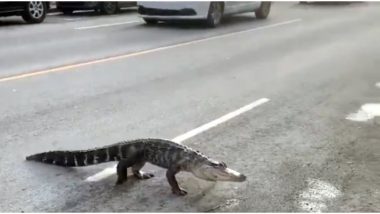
point(82, 81)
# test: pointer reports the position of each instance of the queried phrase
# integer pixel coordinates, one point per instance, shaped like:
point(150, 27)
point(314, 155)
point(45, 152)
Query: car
point(210, 12)
point(107, 7)
point(31, 12)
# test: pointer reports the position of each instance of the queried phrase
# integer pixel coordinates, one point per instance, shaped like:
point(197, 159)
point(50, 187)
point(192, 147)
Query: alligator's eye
point(219, 164)
point(214, 164)
point(224, 165)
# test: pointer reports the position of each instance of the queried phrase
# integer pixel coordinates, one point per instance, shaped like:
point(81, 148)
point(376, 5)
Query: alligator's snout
point(242, 178)
point(233, 175)
point(218, 173)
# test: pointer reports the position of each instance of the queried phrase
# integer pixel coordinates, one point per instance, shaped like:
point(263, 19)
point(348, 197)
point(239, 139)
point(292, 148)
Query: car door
point(233, 7)
point(11, 6)
point(127, 4)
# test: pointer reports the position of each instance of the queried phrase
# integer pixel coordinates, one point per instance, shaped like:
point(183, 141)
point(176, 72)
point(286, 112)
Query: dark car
point(31, 12)
point(104, 7)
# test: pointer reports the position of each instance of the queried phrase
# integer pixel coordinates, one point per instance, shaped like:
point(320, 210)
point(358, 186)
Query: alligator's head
point(216, 171)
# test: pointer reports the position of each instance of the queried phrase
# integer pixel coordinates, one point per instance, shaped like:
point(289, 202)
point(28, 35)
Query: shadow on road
point(93, 13)
point(12, 22)
point(199, 24)
point(331, 4)
point(17, 20)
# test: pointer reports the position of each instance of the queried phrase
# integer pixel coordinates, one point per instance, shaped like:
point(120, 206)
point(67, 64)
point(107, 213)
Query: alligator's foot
point(121, 177)
point(180, 192)
point(120, 180)
point(143, 175)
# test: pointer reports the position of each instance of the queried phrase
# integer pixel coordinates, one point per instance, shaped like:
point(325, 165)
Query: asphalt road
point(114, 78)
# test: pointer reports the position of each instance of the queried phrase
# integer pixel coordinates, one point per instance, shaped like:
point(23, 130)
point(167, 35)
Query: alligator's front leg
point(170, 175)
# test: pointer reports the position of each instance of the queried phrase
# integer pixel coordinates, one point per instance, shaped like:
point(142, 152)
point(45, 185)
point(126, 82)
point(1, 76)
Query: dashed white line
point(218, 121)
point(106, 25)
point(180, 138)
point(105, 173)
point(367, 112)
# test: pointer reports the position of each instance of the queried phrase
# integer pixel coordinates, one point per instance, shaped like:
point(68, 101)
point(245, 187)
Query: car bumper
point(173, 10)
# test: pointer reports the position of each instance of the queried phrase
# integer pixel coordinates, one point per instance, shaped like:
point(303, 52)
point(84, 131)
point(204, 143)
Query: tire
point(215, 14)
point(150, 21)
point(35, 12)
point(263, 11)
point(67, 11)
point(109, 8)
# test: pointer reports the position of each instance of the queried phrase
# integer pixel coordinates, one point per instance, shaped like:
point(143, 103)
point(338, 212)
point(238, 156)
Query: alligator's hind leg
point(121, 169)
point(136, 169)
point(170, 175)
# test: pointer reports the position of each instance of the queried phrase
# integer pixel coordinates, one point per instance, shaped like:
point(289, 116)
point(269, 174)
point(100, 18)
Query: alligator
point(135, 153)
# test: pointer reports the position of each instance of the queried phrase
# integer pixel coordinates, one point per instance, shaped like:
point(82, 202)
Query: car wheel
point(35, 12)
point(109, 8)
point(263, 11)
point(150, 21)
point(215, 14)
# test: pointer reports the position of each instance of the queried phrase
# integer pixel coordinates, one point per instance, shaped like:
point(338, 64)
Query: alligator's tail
point(84, 157)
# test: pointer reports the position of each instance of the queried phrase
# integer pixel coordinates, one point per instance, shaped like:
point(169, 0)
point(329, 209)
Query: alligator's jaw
point(218, 174)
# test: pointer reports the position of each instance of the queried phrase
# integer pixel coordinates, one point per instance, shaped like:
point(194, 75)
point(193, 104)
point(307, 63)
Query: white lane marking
point(218, 121)
point(316, 195)
point(106, 25)
point(180, 138)
point(102, 175)
point(228, 34)
point(366, 112)
point(377, 85)
point(71, 19)
point(143, 52)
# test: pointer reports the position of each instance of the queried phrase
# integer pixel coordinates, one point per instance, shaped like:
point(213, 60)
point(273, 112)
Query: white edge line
point(105, 25)
point(180, 138)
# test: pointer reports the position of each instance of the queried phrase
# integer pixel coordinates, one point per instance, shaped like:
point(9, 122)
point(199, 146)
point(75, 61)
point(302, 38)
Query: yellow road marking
point(123, 56)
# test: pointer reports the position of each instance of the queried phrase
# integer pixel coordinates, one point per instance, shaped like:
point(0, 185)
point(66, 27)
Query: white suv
point(210, 12)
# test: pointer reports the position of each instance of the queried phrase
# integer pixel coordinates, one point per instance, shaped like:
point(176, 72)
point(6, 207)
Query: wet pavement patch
point(317, 194)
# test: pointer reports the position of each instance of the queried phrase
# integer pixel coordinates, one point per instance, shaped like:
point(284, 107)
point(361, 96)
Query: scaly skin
point(163, 153)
